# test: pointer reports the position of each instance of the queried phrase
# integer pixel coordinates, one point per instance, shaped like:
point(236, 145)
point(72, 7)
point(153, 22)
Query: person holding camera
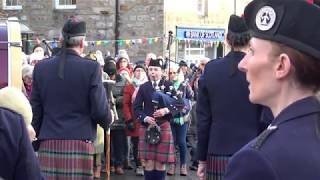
point(133, 125)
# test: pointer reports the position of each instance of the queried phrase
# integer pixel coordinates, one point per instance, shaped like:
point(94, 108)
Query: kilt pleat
point(162, 152)
point(217, 166)
point(66, 159)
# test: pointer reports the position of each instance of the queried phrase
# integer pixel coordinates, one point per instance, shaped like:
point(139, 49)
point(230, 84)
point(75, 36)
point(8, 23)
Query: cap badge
point(265, 18)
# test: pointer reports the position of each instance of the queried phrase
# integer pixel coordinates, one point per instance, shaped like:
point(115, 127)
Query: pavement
point(130, 175)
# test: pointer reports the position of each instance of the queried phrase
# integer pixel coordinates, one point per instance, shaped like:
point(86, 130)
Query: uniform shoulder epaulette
point(264, 136)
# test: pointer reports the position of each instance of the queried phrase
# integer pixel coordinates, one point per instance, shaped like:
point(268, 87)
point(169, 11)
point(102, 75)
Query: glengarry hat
point(156, 62)
point(73, 27)
point(295, 23)
point(237, 24)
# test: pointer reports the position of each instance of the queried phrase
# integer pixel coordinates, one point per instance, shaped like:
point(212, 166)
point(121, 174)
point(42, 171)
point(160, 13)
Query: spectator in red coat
point(133, 125)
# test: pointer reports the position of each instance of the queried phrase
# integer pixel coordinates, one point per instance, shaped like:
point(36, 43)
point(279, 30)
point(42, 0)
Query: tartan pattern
point(162, 152)
point(66, 159)
point(217, 166)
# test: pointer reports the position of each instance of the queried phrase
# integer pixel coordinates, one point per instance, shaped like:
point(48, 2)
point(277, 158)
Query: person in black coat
point(68, 101)
point(17, 158)
point(283, 70)
point(154, 112)
point(226, 119)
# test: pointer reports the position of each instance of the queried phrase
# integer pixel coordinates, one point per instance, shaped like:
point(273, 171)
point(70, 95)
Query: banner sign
point(200, 34)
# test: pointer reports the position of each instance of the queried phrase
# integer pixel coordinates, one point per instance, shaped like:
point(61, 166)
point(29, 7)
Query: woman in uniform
point(283, 71)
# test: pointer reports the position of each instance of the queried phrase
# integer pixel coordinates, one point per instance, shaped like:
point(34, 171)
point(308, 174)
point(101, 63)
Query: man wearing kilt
point(68, 100)
point(155, 156)
point(226, 118)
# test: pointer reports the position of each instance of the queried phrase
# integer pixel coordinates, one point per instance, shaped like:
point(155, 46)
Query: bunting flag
point(130, 42)
point(105, 43)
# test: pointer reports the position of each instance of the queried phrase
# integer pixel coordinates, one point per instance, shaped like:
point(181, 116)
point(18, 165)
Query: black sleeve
point(204, 118)
point(36, 103)
point(138, 105)
point(100, 110)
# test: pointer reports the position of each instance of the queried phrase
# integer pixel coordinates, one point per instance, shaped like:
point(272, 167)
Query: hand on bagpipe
point(173, 100)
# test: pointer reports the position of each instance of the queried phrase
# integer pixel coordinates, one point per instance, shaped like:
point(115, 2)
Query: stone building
point(139, 26)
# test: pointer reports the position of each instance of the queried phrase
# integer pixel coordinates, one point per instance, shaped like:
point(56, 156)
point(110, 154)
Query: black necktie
point(154, 84)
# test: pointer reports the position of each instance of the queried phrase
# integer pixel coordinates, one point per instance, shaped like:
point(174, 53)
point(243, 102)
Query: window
point(11, 4)
point(190, 51)
point(202, 7)
point(65, 4)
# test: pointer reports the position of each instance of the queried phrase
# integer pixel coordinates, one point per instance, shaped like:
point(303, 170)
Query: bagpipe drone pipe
point(174, 100)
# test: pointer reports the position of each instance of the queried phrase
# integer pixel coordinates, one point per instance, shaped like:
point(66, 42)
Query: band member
point(151, 115)
point(283, 70)
point(68, 101)
point(226, 118)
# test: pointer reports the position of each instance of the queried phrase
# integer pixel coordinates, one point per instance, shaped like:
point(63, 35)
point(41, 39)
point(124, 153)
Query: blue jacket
point(17, 158)
point(143, 106)
point(72, 107)
point(287, 150)
point(226, 119)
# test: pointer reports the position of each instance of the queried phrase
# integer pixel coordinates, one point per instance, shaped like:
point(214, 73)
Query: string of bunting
point(120, 42)
point(128, 42)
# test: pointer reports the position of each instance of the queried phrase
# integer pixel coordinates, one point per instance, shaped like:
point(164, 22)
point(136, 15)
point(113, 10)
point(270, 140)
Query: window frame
point(58, 6)
point(14, 7)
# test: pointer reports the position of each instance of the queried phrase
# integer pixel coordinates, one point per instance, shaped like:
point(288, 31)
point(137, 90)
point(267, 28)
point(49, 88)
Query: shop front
point(194, 43)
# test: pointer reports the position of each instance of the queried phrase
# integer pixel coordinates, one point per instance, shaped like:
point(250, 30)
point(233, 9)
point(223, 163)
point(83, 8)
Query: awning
point(25, 29)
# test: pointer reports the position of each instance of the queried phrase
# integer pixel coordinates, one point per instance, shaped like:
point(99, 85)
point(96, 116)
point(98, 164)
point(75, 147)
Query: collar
point(239, 54)
point(158, 82)
point(71, 51)
point(305, 106)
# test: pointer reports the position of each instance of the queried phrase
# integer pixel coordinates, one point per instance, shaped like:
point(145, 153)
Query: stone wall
point(138, 19)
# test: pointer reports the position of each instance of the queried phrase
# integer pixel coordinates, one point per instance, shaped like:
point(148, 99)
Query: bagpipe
point(173, 99)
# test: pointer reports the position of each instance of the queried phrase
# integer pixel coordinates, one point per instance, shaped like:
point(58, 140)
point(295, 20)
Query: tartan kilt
point(66, 159)
point(162, 152)
point(217, 166)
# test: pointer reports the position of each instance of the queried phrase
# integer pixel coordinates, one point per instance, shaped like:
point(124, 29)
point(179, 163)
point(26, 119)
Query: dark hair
point(118, 63)
point(306, 67)
point(236, 40)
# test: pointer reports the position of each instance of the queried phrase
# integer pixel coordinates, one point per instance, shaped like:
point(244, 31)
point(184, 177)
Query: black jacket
point(226, 118)
point(72, 107)
point(17, 158)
